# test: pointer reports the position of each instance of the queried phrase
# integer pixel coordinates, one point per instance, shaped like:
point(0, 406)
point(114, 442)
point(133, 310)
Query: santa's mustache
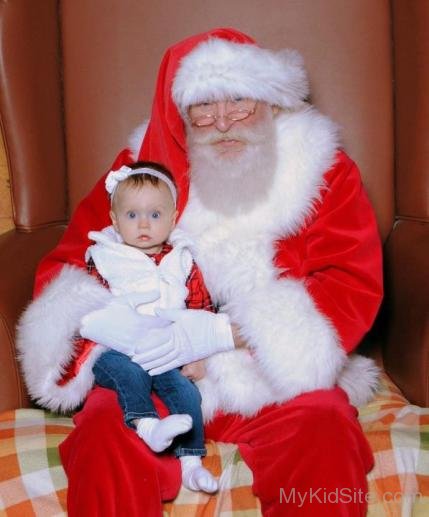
point(245, 135)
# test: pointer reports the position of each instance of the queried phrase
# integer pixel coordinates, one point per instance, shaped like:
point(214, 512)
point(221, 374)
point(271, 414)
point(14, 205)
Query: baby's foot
point(159, 434)
point(196, 477)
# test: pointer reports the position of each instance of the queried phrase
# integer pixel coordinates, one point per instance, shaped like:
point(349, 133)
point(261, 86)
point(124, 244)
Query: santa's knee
point(101, 413)
point(327, 428)
point(330, 415)
point(329, 446)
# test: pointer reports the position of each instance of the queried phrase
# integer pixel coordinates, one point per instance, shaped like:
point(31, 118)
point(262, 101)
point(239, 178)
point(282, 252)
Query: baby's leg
point(159, 434)
point(133, 386)
point(182, 396)
point(195, 476)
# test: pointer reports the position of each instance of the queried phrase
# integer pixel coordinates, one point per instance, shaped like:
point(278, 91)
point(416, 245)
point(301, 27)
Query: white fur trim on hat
point(219, 69)
point(136, 138)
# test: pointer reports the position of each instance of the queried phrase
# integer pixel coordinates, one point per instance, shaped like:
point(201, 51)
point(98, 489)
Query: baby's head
point(143, 205)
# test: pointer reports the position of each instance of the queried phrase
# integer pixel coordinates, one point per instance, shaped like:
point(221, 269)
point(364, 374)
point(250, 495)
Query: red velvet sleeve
point(91, 214)
point(338, 254)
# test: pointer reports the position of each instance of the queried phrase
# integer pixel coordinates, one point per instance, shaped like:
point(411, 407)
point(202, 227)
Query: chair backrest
point(77, 80)
point(77, 77)
point(406, 347)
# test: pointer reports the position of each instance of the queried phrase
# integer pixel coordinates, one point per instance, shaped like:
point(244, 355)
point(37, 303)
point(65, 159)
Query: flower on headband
point(115, 177)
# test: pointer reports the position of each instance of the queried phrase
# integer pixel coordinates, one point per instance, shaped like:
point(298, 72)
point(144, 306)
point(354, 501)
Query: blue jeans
point(134, 385)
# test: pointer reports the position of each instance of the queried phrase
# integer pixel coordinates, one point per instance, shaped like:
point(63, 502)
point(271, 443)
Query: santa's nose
point(222, 122)
point(223, 125)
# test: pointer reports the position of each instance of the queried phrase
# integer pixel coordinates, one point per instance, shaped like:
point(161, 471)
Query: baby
point(140, 253)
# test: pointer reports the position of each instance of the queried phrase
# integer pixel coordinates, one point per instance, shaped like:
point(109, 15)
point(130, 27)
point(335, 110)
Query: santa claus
point(288, 246)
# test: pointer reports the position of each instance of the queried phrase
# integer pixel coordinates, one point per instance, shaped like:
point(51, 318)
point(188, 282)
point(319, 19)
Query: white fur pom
point(45, 335)
point(359, 379)
point(136, 139)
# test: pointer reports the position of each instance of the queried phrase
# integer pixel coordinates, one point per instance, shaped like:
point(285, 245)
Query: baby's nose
point(144, 222)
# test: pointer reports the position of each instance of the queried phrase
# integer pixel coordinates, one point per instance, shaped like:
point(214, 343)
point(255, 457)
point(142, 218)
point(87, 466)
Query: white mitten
point(118, 325)
point(193, 335)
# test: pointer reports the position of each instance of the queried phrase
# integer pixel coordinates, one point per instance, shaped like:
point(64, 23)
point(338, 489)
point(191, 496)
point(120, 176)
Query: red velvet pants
point(309, 457)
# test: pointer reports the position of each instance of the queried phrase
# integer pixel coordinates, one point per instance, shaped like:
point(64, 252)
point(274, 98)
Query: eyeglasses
point(205, 114)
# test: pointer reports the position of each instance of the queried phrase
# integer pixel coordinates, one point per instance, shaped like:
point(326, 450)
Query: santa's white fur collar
point(307, 144)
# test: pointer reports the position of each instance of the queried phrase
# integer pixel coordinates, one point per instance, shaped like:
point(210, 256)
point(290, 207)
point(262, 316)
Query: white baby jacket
point(130, 270)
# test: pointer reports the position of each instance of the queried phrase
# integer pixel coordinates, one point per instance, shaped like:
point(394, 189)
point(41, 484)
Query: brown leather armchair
point(76, 80)
point(78, 76)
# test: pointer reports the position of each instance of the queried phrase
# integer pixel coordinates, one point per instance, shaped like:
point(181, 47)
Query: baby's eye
point(156, 214)
point(131, 215)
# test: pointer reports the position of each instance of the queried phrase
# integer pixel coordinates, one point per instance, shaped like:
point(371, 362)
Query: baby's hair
point(138, 180)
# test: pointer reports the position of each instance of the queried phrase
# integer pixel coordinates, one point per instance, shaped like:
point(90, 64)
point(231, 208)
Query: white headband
point(115, 177)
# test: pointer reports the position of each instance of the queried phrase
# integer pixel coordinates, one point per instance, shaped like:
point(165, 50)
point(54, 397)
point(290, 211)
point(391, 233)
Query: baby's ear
point(175, 216)
point(113, 219)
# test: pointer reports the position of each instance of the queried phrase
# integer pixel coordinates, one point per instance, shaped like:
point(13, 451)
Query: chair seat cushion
point(398, 433)
point(32, 481)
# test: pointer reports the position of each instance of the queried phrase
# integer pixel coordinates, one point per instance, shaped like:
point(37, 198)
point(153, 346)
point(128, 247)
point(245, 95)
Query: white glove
point(118, 325)
point(193, 335)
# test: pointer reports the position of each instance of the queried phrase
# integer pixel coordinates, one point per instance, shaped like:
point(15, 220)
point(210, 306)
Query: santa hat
point(165, 140)
point(213, 65)
point(219, 69)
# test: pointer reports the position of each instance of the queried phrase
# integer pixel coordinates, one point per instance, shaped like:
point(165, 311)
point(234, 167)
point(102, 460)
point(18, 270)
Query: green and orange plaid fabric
point(32, 481)
point(399, 437)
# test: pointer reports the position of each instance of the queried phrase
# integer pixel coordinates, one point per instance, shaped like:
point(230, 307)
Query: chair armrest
point(19, 255)
point(406, 349)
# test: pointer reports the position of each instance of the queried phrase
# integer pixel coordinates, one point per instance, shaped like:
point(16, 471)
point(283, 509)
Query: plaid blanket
point(32, 481)
point(399, 437)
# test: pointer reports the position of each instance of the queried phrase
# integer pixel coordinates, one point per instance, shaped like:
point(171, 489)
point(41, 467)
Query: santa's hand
point(118, 325)
point(195, 371)
point(193, 335)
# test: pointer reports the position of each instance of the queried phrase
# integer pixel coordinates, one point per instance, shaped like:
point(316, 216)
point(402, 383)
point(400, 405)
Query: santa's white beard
point(235, 182)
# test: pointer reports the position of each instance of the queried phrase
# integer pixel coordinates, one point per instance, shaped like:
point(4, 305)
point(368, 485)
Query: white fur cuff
point(45, 335)
point(296, 347)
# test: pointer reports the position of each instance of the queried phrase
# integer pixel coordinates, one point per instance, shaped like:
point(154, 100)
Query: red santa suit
point(300, 273)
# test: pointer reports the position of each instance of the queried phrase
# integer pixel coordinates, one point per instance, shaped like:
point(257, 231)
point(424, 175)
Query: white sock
point(195, 476)
point(158, 434)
